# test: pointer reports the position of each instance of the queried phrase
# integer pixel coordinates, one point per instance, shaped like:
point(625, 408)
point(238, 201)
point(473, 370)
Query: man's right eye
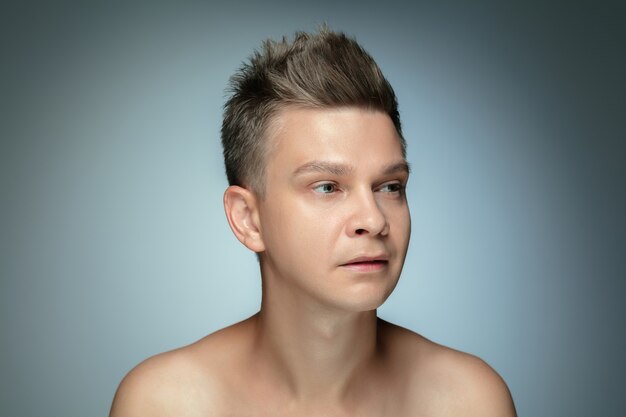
point(325, 188)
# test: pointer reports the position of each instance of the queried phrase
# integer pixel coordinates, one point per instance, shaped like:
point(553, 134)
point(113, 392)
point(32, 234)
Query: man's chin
point(364, 299)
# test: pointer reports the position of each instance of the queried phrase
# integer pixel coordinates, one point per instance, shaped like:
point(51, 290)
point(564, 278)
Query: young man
point(316, 161)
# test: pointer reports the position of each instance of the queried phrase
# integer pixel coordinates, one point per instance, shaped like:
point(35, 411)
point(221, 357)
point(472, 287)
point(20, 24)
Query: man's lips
point(367, 263)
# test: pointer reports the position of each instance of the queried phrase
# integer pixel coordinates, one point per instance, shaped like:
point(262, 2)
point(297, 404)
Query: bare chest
point(263, 402)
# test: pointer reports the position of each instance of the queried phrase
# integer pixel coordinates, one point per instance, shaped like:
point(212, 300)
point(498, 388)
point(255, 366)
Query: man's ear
point(242, 213)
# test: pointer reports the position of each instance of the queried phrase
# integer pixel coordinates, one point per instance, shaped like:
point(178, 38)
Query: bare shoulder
point(450, 382)
point(155, 386)
point(190, 381)
point(469, 385)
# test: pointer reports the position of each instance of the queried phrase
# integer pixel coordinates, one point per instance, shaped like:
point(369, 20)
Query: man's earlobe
point(241, 210)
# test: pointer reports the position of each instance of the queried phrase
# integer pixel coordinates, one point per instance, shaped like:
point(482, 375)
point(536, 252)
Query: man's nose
point(366, 216)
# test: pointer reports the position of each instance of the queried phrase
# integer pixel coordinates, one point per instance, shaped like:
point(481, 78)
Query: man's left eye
point(392, 188)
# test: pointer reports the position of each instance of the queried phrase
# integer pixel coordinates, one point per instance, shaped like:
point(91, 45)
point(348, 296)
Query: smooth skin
point(332, 229)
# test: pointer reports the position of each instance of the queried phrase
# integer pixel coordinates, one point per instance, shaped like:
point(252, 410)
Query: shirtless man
point(316, 163)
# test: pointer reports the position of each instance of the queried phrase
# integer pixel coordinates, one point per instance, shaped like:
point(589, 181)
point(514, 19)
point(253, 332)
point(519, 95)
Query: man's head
point(317, 167)
point(323, 70)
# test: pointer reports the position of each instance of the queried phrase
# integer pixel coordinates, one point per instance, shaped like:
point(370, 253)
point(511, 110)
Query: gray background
point(114, 246)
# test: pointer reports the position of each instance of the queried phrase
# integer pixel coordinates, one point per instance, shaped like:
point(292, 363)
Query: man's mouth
point(367, 264)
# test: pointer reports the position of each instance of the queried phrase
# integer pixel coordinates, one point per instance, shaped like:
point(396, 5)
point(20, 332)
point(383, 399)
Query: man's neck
point(314, 352)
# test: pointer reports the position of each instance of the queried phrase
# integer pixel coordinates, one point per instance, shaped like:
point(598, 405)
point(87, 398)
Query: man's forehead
point(290, 112)
point(328, 127)
point(334, 141)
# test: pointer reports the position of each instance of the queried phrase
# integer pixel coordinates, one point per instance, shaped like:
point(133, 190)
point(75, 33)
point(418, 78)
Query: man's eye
point(325, 188)
point(392, 188)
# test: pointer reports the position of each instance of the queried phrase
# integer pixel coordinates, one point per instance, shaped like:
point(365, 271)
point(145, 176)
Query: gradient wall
point(114, 246)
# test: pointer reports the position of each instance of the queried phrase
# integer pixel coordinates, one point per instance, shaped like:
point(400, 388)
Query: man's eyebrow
point(342, 169)
point(324, 167)
point(402, 166)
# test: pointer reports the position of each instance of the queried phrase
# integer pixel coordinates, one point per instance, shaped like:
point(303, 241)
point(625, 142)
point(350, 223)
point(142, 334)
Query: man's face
point(334, 219)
